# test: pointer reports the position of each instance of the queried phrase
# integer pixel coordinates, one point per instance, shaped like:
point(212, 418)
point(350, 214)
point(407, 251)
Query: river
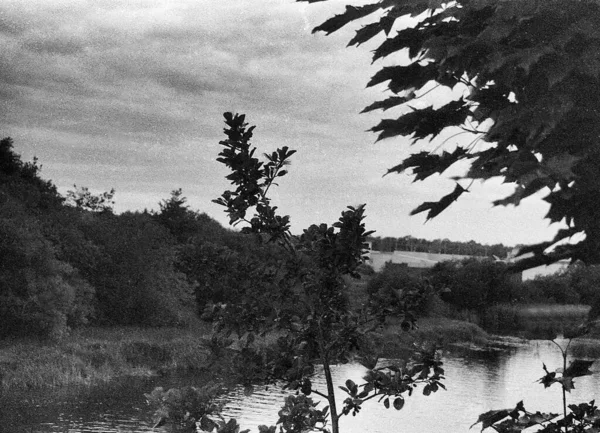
point(476, 381)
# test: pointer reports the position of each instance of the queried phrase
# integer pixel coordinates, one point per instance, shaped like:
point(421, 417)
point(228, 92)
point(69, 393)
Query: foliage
point(21, 180)
point(395, 289)
point(474, 284)
point(39, 294)
point(438, 246)
point(583, 417)
point(300, 293)
point(525, 82)
point(81, 198)
point(135, 276)
point(176, 216)
point(552, 288)
point(585, 280)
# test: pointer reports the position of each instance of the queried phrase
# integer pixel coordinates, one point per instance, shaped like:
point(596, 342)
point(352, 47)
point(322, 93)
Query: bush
point(553, 289)
point(39, 295)
point(136, 278)
point(396, 286)
point(474, 284)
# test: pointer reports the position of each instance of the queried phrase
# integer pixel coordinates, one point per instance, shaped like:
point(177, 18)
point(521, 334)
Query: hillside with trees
point(71, 261)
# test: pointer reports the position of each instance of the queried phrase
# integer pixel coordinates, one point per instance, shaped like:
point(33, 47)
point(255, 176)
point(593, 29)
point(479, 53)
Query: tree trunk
point(331, 396)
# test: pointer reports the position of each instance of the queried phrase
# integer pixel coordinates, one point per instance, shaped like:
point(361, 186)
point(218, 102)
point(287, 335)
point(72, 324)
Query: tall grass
point(100, 354)
point(532, 321)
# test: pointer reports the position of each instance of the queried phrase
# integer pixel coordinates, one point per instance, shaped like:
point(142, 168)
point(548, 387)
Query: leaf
point(578, 367)
point(386, 403)
point(398, 403)
point(561, 166)
point(392, 101)
point(425, 122)
point(491, 417)
point(351, 387)
point(425, 164)
point(413, 76)
point(521, 192)
point(411, 38)
point(435, 208)
point(548, 379)
point(352, 13)
point(207, 424)
point(566, 382)
point(366, 33)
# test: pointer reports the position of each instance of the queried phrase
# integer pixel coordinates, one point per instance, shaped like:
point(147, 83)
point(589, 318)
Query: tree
point(135, 274)
point(303, 297)
point(176, 215)
point(82, 198)
point(526, 75)
point(39, 294)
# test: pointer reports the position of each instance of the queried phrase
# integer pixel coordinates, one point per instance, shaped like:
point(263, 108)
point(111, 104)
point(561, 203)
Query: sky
point(130, 95)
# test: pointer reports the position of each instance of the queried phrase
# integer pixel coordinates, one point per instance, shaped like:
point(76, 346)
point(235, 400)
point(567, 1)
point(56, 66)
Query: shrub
point(474, 284)
point(39, 295)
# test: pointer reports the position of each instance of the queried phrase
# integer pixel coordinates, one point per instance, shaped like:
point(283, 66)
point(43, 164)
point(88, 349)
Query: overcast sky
point(129, 94)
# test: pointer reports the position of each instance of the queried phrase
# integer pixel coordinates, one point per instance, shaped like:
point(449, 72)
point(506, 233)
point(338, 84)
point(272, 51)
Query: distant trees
point(438, 246)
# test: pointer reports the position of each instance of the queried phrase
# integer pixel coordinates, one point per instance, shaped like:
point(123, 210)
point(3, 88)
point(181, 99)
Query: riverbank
point(97, 355)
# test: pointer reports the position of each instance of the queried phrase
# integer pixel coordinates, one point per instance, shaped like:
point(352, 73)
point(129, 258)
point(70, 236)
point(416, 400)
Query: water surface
point(477, 381)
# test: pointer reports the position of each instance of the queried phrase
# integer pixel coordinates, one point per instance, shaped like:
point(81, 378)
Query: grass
point(97, 355)
point(533, 321)
point(438, 330)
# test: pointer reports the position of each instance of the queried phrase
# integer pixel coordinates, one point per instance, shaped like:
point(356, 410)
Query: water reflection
point(477, 381)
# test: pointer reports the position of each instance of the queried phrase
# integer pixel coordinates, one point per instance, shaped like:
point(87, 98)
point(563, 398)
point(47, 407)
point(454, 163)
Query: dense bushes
point(474, 284)
point(68, 262)
point(135, 276)
point(39, 294)
point(398, 288)
point(64, 265)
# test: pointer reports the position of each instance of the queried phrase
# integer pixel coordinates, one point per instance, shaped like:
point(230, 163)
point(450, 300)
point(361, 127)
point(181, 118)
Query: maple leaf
point(388, 103)
point(566, 382)
point(578, 367)
point(425, 164)
point(549, 378)
point(352, 13)
point(404, 77)
point(436, 207)
point(425, 122)
point(366, 33)
point(411, 38)
point(490, 417)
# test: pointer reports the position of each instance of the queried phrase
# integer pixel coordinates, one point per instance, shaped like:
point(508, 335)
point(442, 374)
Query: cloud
point(130, 94)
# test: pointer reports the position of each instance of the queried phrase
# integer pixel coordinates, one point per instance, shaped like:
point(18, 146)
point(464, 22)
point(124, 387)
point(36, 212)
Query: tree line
point(438, 246)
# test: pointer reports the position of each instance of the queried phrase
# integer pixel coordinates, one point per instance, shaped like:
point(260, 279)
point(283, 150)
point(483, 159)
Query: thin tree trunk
point(331, 396)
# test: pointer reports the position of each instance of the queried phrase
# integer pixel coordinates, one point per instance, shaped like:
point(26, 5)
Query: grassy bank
point(439, 330)
point(532, 321)
point(99, 355)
